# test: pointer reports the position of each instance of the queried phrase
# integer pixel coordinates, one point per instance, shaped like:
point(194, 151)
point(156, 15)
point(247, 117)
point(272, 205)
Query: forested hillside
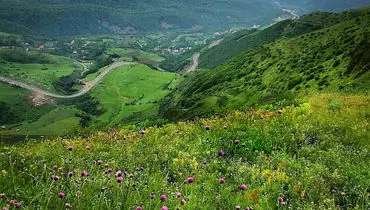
point(69, 18)
point(334, 59)
point(249, 39)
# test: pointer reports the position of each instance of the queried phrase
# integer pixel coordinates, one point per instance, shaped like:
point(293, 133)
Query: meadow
point(36, 68)
point(299, 157)
point(130, 94)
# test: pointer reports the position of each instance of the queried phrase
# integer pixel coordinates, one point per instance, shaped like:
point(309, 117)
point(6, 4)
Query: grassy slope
point(42, 74)
point(57, 122)
point(301, 155)
point(127, 84)
point(279, 72)
point(245, 40)
point(17, 99)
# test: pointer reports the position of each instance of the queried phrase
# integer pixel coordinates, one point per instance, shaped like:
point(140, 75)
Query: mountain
point(57, 18)
point(334, 58)
point(249, 39)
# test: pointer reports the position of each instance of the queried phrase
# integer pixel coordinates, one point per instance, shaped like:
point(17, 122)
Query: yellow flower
point(194, 163)
point(4, 172)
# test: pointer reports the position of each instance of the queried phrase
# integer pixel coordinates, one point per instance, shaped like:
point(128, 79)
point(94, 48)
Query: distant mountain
point(333, 59)
point(81, 17)
point(304, 6)
point(245, 40)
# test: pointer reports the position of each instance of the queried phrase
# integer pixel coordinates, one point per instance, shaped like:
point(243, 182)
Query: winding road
point(194, 66)
point(88, 86)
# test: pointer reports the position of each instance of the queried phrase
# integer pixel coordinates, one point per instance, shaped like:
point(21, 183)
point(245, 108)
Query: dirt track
point(88, 86)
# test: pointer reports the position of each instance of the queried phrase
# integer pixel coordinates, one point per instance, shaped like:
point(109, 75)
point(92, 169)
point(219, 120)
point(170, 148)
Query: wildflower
point(221, 153)
point(110, 170)
point(139, 208)
point(183, 202)
point(207, 127)
point(221, 181)
point(118, 173)
point(70, 148)
point(236, 141)
point(283, 203)
point(103, 189)
point(70, 173)
point(151, 195)
point(237, 207)
point(142, 132)
point(279, 111)
point(55, 167)
point(18, 205)
point(28, 156)
point(164, 208)
point(243, 187)
point(119, 179)
point(87, 148)
point(5, 208)
point(2, 195)
point(178, 194)
point(163, 197)
point(54, 177)
point(84, 173)
point(11, 202)
point(333, 191)
point(190, 180)
point(68, 206)
point(247, 208)
point(342, 193)
point(3, 127)
point(281, 199)
point(100, 162)
point(42, 137)
point(61, 195)
point(225, 127)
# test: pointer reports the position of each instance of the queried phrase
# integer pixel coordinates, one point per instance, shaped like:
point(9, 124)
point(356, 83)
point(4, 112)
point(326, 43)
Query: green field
point(18, 102)
point(125, 85)
point(57, 122)
point(40, 74)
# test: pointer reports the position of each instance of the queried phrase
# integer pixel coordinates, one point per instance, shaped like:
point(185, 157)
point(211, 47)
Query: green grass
point(40, 74)
point(18, 101)
point(123, 86)
point(57, 122)
point(301, 155)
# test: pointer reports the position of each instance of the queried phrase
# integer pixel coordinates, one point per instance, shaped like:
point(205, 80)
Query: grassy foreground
point(314, 156)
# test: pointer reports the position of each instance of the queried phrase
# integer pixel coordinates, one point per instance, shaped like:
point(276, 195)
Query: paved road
point(85, 89)
point(194, 66)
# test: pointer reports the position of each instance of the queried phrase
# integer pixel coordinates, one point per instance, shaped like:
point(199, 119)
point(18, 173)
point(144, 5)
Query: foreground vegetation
point(312, 156)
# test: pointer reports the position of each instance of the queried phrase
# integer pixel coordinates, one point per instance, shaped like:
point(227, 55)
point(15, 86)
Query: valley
point(183, 105)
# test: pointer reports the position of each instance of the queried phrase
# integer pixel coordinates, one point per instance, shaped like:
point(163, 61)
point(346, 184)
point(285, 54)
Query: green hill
point(249, 39)
point(311, 155)
point(331, 59)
